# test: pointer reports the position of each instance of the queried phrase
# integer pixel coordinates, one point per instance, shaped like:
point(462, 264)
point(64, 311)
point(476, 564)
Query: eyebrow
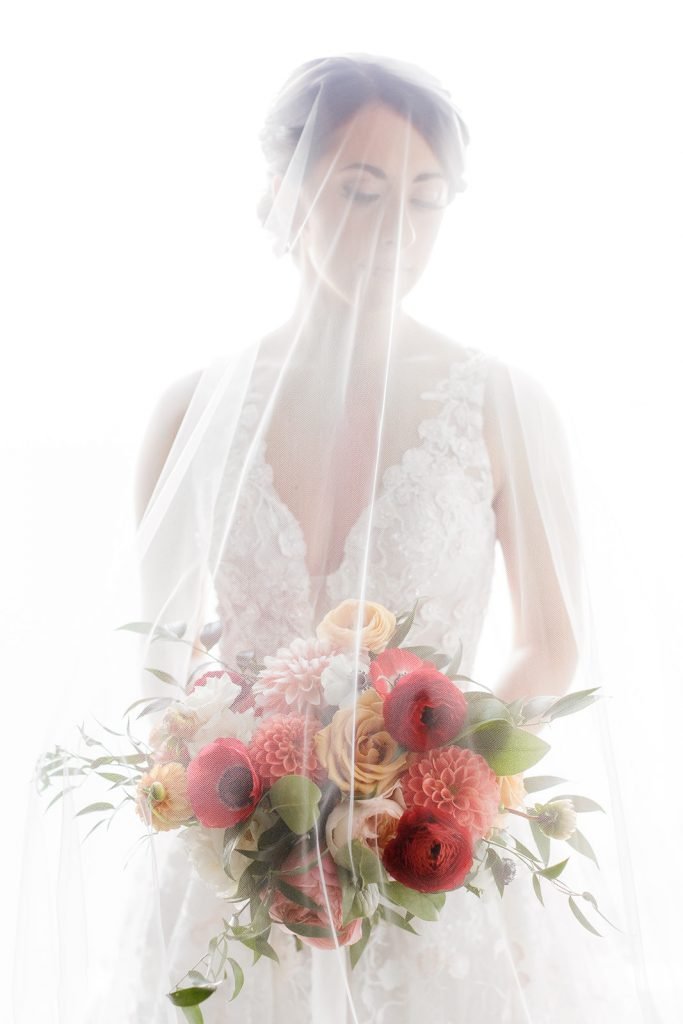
point(378, 173)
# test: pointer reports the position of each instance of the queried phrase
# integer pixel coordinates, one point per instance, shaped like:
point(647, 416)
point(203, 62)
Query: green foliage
point(296, 799)
point(508, 750)
point(357, 948)
point(418, 903)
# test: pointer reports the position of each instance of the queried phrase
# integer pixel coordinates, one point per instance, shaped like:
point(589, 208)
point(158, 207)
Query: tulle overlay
point(352, 453)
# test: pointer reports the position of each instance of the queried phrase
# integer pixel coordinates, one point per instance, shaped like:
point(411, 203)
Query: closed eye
point(371, 197)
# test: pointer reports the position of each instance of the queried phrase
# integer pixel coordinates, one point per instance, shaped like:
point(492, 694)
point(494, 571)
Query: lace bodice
point(432, 535)
point(485, 960)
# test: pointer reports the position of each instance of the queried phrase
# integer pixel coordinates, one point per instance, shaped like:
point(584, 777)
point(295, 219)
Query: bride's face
point(371, 209)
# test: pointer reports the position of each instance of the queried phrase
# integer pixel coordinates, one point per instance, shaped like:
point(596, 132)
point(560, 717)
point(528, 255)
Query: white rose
point(217, 693)
point(204, 847)
point(212, 705)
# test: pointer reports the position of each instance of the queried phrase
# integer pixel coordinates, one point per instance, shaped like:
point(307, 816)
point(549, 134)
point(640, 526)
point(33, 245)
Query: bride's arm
point(544, 656)
point(160, 434)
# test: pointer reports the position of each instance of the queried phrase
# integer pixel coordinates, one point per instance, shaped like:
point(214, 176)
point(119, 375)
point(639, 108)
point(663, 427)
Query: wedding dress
point(218, 542)
point(485, 960)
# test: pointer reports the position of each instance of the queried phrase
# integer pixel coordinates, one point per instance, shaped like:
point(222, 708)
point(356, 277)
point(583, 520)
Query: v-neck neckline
point(471, 355)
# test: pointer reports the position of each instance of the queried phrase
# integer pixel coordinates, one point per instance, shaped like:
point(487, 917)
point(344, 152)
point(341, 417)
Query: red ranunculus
point(428, 853)
point(222, 784)
point(424, 710)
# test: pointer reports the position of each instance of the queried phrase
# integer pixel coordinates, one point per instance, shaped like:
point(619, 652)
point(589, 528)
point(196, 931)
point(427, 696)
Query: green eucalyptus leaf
point(171, 631)
point(425, 652)
point(537, 706)
point(532, 783)
point(572, 702)
point(581, 803)
point(261, 947)
point(398, 919)
point(403, 626)
point(100, 806)
point(191, 996)
point(521, 848)
point(580, 917)
point(95, 826)
point(537, 888)
point(69, 789)
point(165, 677)
point(578, 842)
point(158, 705)
point(542, 841)
point(357, 948)
point(136, 627)
point(135, 704)
point(554, 870)
point(211, 634)
point(238, 975)
point(193, 1014)
point(454, 664)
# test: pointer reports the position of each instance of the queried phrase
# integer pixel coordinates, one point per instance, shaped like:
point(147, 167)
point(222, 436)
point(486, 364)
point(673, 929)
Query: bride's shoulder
point(441, 352)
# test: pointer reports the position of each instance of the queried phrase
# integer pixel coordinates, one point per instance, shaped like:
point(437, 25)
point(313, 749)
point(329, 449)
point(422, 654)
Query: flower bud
point(509, 870)
point(157, 791)
point(557, 819)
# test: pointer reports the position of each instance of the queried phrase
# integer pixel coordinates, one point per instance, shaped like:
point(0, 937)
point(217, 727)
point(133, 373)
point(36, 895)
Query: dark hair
point(350, 82)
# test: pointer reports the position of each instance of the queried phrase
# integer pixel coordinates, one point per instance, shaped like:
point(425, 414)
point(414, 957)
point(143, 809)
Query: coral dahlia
point(284, 745)
point(455, 781)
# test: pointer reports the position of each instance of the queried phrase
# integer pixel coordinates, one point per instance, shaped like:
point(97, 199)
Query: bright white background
point(128, 131)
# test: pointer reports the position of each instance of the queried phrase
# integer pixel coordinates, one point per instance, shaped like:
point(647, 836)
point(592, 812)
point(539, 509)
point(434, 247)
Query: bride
point(354, 451)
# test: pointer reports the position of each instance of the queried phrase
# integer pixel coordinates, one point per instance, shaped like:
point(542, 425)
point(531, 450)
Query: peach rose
point(373, 821)
point(309, 883)
point(340, 624)
point(377, 762)
point(512, 794)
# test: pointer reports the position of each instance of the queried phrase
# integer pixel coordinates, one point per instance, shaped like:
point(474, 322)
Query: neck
point(327, 328)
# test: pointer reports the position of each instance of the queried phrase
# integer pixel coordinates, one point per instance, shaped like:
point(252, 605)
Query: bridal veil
point(365, 159)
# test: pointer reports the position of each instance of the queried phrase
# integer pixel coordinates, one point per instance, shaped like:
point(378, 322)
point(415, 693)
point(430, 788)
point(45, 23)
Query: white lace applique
point(433, 533)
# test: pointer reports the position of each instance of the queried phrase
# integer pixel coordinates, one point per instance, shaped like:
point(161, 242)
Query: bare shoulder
point(434, 346)
point(161, 431)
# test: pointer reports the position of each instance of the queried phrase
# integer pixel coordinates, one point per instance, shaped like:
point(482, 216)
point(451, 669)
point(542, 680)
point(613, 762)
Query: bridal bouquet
point(344, 780)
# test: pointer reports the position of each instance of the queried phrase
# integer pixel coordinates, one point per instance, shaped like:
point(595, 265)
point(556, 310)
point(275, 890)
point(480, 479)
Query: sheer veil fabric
point(354, 452)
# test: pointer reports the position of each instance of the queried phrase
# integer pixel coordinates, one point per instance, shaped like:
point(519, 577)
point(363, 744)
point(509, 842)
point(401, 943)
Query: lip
point(388, 270)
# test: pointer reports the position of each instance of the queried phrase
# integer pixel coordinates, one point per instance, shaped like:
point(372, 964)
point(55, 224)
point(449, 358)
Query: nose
point(398, 229)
